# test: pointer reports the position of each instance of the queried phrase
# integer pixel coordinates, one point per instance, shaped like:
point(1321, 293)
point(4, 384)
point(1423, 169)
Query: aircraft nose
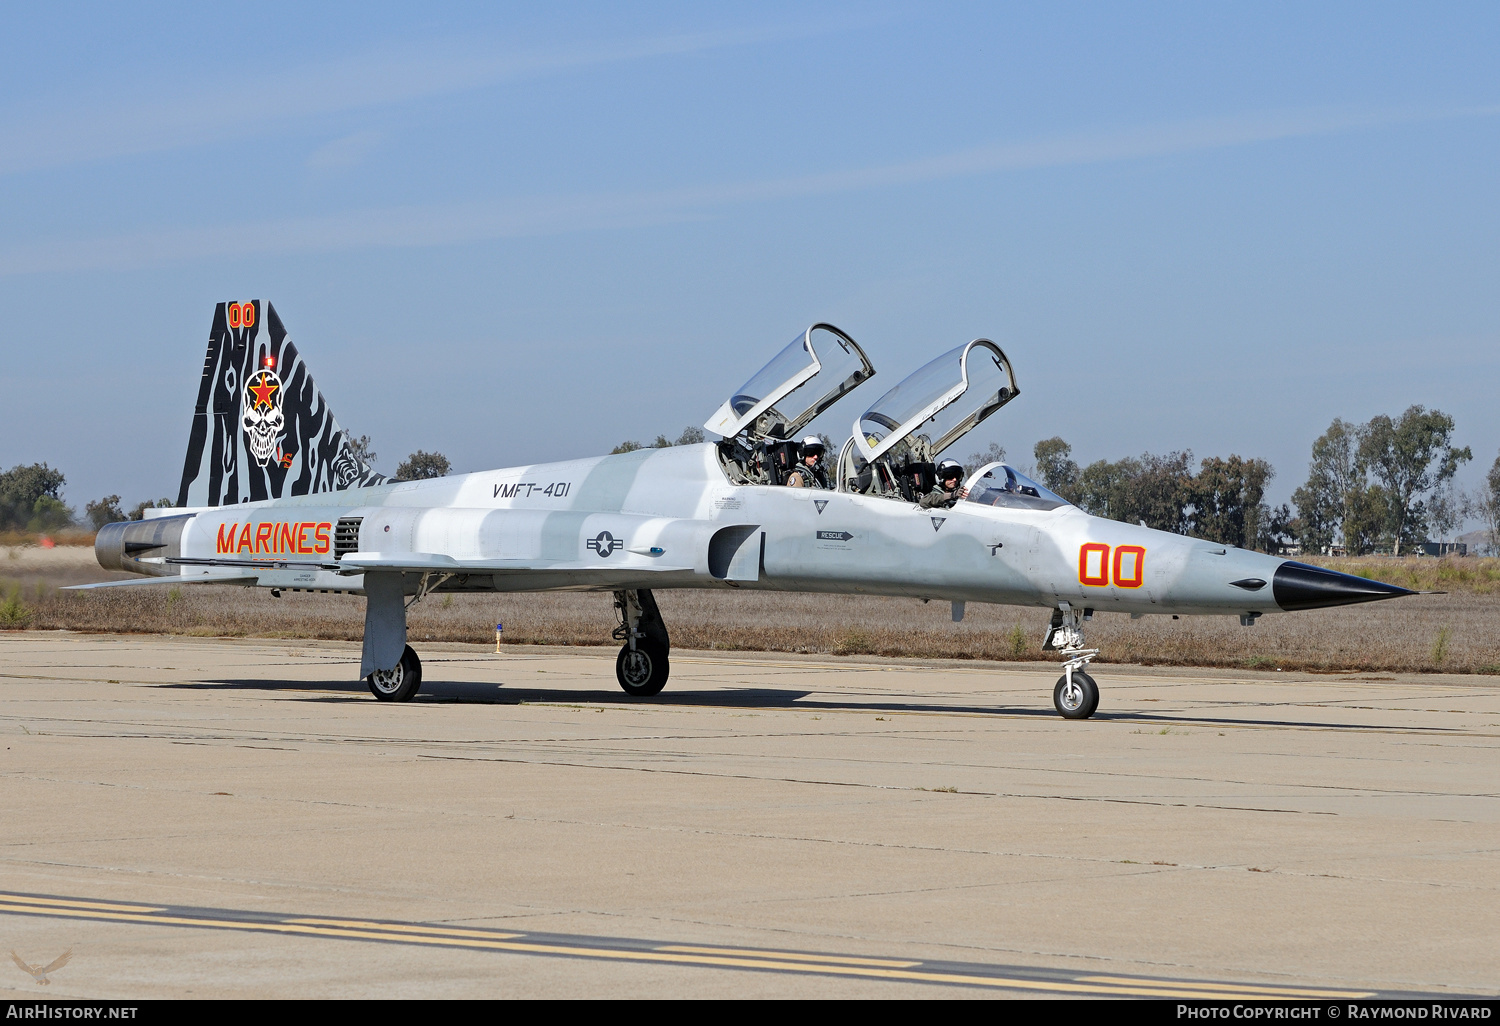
point(1300, 586)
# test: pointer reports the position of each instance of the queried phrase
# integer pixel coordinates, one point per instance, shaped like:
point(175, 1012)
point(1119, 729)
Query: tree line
point(1384, 484)
point(1223, 500)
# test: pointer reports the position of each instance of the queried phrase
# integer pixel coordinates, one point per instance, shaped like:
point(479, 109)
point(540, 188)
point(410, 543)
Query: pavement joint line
point(240, 741)
point(986, 976)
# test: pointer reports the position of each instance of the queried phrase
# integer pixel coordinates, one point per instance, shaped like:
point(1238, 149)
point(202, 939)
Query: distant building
point(1431, 548)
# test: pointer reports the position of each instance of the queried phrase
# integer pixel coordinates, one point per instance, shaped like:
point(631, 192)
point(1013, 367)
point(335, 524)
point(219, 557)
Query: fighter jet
point(274, 496)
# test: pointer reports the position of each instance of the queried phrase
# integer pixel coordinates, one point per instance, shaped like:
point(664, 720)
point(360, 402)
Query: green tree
point(1486, 505)
point(994, 454)
point(1227, 499)
point(105, 511)
point(1316, 524)
point(689, 436)
point(31, 499)
point(422, 466)
point(1274, 528)
point(360, 449)
point(626, 446)
point(1055, 466)
point(1446, 510)
point(1365, 519)
point(1336, 500)
point(139, 513)
point(1101, 487)
point(1154, 490)
point(1411, 457)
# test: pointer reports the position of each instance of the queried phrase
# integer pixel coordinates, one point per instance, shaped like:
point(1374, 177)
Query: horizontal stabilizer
point(240, 579)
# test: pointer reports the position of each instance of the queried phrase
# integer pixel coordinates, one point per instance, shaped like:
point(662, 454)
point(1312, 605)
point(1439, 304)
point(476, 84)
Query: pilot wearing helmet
point(809, 471)
point(950, 476)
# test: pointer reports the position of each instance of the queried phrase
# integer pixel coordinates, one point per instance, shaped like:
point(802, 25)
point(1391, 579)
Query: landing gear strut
point(642, 665)
point(1076, 696)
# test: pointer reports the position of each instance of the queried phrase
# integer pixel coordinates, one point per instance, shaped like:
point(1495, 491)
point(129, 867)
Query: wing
point(58, 962)
point(29, 970)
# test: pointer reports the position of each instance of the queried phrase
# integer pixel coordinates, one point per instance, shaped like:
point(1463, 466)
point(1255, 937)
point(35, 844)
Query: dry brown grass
point(22, 539)
point(1457, 632)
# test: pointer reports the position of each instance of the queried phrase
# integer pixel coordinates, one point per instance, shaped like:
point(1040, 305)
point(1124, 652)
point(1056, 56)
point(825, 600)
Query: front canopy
point(940, 403)
point(819, 367)
point(999, 484)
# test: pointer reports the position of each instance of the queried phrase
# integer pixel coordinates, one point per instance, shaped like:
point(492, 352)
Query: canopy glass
point(940, 403)
point(1002, 485)
point(819, 367)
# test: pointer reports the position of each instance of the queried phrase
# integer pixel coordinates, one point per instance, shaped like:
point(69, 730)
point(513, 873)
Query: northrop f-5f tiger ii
point(273, 496)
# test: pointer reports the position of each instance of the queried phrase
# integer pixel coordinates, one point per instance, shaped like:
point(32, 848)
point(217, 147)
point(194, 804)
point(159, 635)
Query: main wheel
point(1078, 700)
point(399, 684)
point(642, 672)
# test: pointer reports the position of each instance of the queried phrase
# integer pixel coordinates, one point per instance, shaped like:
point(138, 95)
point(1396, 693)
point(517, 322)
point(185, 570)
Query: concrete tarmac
point(200, 817)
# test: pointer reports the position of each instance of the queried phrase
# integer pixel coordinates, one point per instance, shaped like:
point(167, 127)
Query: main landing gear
point(385, 635)
point(1076, 696)
point(399, 684)
point(642, 665)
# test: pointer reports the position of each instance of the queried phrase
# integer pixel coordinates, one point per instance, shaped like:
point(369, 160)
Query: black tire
point(1081, 701)
point(643, 672)
point(400, 684)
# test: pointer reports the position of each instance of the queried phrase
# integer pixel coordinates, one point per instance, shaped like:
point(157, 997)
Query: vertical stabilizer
point(261, 429)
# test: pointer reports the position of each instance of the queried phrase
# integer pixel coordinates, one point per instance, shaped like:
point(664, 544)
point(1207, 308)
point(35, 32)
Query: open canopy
point(940, 403)
point(819, 367)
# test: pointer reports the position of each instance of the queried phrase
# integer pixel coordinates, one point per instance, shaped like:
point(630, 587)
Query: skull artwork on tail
point(263, 419)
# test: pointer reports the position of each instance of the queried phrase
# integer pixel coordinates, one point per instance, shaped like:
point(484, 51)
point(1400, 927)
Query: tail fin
point(261, 429)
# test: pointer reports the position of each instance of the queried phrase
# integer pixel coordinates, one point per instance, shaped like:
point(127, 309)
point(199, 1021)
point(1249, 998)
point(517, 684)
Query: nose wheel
point(1076, 696)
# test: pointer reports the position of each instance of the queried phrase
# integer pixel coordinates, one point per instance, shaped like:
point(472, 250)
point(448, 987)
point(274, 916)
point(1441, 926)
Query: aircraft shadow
point(473, 693)
point(463, 692)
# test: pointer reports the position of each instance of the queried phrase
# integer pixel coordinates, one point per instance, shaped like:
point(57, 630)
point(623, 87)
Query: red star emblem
point(263, 390)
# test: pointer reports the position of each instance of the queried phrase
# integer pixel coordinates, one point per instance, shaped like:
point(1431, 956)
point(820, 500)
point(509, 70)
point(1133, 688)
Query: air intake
point(346, 536)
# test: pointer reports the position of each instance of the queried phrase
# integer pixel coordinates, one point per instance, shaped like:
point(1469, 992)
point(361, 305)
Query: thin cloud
point(56, 138)
point(345, 152)
point(448, 224)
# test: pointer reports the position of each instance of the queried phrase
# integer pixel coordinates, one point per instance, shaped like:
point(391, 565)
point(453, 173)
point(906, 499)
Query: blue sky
point(523, 233)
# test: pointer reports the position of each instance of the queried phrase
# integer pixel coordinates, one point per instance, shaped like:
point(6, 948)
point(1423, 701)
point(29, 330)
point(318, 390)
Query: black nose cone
point(1300, 586)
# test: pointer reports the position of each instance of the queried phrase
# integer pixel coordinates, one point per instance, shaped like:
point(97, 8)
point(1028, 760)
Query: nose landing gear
point(1075, 696)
